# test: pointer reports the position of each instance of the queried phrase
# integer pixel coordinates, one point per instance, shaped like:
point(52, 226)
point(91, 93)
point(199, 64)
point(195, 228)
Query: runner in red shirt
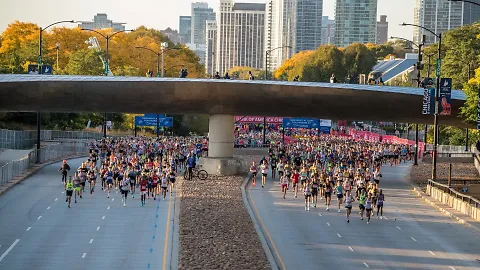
point(295, 178)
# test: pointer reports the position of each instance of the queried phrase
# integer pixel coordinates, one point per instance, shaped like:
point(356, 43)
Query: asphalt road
point(39, 231)
point(413, 235)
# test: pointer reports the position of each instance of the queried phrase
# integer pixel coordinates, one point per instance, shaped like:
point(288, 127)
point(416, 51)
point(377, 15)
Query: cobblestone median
point(460, 171)
point(215, 228)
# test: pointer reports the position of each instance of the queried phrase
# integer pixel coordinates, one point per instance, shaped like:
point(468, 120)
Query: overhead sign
point(428, 101)
point(153, 115)
point(301, 123)
point(142, 121)
point(445, 106)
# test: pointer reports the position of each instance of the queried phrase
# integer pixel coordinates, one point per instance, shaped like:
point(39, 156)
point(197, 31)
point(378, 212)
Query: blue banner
point(154, 115)
point(324, 129)
point(142, 121)
point(301, 123)
point(428, 101)
point(478, 112)
point(445, 106)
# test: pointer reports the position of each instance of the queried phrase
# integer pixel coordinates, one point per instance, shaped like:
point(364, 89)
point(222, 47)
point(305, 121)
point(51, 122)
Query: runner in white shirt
point(264, 168)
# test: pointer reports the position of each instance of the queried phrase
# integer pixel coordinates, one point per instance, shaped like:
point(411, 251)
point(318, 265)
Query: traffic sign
point(439, 66)
point(301, 123)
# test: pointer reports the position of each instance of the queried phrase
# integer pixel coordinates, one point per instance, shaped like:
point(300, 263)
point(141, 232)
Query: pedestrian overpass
point(221, 99)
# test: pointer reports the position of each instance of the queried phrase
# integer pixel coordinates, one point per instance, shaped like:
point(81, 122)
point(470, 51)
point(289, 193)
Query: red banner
point(258, 120)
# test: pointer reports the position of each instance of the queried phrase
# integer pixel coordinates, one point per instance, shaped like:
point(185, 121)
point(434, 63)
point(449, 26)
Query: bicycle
point(196, 173)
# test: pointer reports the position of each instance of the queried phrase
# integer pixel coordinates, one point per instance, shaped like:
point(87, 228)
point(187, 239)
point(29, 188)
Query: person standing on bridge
point(333, 79)
point(64, 170)
point(250, 76)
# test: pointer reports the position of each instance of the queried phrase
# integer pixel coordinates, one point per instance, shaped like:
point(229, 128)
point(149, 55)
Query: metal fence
point(26, 139)
point(48, 153)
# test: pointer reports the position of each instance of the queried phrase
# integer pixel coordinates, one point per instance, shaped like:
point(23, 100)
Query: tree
point(241, 73)
point(324, 62)
point(471, 89)
point(287, 70)
point(85, 62)
point(380, 51)
point(358, 60)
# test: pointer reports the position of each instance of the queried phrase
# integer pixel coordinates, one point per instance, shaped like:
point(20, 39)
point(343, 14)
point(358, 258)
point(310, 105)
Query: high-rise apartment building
point(308, 24)
point(200, 14)
point(440, 16)
point(101, 21)
point(355, 21)
point(185, 29)
point(279, 31)
point(240, 36)
point(382, 30)
point(328, 30)
point(211, 43)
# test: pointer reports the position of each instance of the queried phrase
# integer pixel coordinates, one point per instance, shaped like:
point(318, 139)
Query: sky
point(161, 14)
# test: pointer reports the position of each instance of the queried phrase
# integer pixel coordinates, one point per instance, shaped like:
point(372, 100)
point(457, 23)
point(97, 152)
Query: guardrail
point(48, 153)
point(461, 202)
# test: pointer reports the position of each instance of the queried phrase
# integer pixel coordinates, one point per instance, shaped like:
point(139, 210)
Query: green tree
point(85, 62)
point(358, 60)
point(324, 62)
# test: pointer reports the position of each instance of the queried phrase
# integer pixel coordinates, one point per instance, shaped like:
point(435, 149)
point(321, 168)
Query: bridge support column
point(220, 160)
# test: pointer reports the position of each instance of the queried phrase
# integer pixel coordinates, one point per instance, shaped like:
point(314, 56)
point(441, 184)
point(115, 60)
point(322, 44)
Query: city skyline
point(135, 16)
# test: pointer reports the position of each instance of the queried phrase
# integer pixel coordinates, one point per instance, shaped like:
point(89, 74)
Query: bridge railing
point(461, 202)
point(47, 153)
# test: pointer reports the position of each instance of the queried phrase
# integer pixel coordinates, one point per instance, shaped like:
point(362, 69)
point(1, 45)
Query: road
point(413, 235)
point(39, 231)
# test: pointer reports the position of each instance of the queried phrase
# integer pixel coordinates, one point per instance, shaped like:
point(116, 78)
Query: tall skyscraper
point(328, 30)
point(200, 14)
point(240, 36)
point(210, 59)
point(185, 29)
point(440, 16)
point(382, 30)
point(355, 21)
point(279, 31)
point(101, 21)
point(308, 24)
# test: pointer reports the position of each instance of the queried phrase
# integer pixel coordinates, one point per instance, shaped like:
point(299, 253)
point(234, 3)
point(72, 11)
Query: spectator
point(216, 76)
point(226, 77)
point(296, 78)
point(333, 79)
point(250, 76)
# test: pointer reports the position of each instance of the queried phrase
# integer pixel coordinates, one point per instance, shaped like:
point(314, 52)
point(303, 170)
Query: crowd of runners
point(146, 167)
point(327, 166)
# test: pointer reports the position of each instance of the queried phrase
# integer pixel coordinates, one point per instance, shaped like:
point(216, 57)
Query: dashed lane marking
point(453, 268)
point(339, 236)
point(28, 229)
point(9, 249)
point(56, 199)
point(103, 217)
point(113, 199)
point(98, 228)
point(431, 252)
point(398, 228)
point(319, 214)
point(48, 207)
point(108, 208)
point(84, 254)
point(91, 241)
point(39, 217)
point(414, 239)
point(351, 248)
point(328, 224)
point(366, 265)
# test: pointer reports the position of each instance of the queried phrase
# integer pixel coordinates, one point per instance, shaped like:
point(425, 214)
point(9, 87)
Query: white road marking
point(398, 228)
point(431, 252)
point(91, 241)
point(98, 228)
point(319, 214)
point(84, 254)
point(453, 268)
point(108, 208)
point(63, 192)
point(385, 217)
point(366, 265)
point(39, 217)
point(351, 248)
point(328, 224)
point(113, 199)
point(28, 229)
point(339, 236)
point(8, 250)
point(48, 207)
point(56, 199)
point(414, 239)
point(103, 217)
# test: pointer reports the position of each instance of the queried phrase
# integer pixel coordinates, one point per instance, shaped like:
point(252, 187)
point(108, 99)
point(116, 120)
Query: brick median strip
point(216, 230)
point(31, 171)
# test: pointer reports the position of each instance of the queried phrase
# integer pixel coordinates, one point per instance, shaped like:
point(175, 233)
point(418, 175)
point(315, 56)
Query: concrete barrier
point(460, 202)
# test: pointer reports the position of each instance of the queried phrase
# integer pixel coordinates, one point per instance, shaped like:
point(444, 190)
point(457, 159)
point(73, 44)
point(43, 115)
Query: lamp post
point(40, 31)
point(266, 75)
point(419, 67)
point(107, 60)
point(437, 97)
point(164, 48)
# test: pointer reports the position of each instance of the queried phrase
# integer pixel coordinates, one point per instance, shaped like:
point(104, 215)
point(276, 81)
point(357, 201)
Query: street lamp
point(107, 37)
point(40, 30)
point(437, 97)
point(466, 1)
point(266, 75)
point(164, 48)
